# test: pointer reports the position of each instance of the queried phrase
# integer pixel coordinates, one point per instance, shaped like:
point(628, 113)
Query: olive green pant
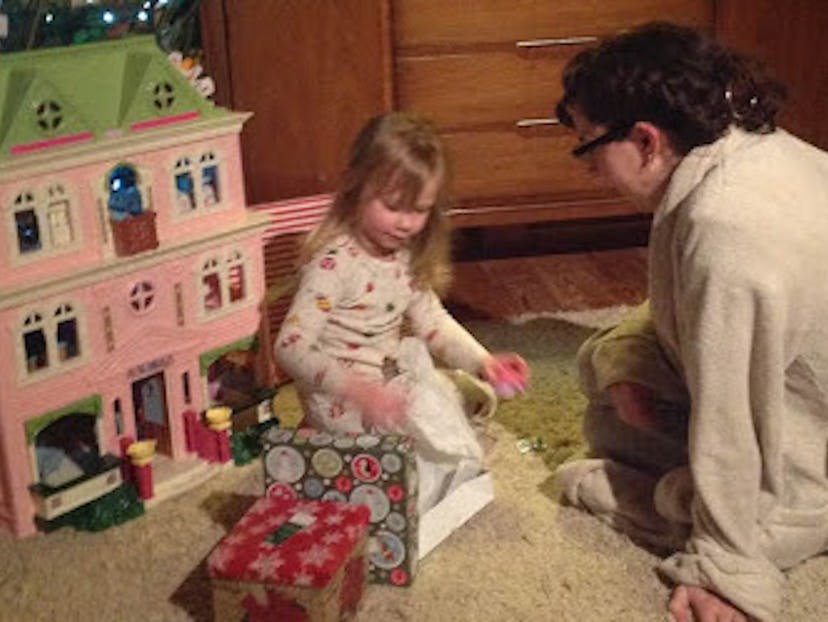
point(630, 352)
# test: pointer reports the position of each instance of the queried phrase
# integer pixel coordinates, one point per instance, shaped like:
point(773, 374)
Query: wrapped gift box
point(377, 471)
point(291, 560)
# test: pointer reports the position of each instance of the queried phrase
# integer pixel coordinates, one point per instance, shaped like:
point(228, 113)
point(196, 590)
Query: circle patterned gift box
point(376, 471)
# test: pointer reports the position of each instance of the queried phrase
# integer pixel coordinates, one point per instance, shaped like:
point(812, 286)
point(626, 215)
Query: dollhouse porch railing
point(52, 502)
point(209, 444)
point(134, 234)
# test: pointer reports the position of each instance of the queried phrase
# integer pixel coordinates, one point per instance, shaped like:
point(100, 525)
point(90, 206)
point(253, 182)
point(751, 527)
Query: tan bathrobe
point(735, 345)
point(739, 295)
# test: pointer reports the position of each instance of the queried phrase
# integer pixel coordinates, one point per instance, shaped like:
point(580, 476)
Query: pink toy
point(509, 383)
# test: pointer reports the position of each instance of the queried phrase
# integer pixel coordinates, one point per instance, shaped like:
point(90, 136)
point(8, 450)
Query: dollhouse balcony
point(134, 234)
point(51, 502)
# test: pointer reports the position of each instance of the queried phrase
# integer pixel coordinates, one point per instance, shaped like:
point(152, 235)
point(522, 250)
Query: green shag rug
point(549, 414)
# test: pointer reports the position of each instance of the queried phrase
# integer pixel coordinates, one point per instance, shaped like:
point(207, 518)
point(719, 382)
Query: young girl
point(371, 270)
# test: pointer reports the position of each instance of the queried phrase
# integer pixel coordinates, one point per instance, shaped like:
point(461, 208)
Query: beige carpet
point(524, 557)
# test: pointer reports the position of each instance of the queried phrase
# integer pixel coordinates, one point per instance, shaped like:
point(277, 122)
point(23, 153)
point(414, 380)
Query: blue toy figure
point(124, 196)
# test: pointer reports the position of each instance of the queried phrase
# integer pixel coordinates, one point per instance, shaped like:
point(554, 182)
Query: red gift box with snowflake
point(379, 471)
point(291, 560)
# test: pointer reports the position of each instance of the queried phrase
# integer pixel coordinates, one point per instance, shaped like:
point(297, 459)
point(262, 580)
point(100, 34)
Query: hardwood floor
point(574, 281)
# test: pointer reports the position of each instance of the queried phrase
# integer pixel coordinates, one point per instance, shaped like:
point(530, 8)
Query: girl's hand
point(507, 372)
point(381, 406)
point(635, 405)
point(691, 602)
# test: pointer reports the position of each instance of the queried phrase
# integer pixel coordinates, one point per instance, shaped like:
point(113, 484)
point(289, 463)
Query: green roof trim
point(98, 90)
point(91, 406)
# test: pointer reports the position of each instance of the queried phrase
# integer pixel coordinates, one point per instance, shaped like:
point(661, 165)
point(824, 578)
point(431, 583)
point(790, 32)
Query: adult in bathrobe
point(708, 407)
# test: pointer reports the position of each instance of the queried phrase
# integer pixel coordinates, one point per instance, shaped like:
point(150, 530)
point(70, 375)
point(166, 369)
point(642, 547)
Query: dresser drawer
point(513, 165)
point(473, 89)
point(460, 22)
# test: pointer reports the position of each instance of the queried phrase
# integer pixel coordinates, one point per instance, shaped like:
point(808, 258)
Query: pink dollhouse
point(131, 270)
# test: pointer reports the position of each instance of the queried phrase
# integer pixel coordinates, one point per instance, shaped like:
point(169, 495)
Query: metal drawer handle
point(538, 121)
point(541, 43)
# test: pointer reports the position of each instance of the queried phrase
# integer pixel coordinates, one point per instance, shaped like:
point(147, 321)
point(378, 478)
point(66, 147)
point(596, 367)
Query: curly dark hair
point(675, 77)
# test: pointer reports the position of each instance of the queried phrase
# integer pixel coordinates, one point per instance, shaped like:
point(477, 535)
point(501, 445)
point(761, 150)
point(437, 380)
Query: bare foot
point(691, 603)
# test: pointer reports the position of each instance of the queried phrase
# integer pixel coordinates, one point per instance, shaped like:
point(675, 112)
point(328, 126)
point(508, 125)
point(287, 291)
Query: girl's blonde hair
point(394, 155)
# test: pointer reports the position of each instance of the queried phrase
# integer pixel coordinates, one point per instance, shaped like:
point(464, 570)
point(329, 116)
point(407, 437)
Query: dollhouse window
point(184, 186)
point(49, 116)
point(58, 216)
point(211, 284)
point(66, 333)
point(50, 340)
point(141, 296)
point(67, 449)
point(119, 416)
point(42, 221)
point(124, 194)
point(34, 343)
point(197, 183)
point(209, 179)
point(224, 282)
point(27, 225)
point(163, 96)
point(235, 276)
point(185, 387)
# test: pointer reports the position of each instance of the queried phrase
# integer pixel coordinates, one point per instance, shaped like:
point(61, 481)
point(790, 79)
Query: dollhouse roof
point(94, 92)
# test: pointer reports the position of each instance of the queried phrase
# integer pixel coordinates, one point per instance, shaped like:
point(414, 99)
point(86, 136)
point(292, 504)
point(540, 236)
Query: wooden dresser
point(488, 73)
point(311, 72)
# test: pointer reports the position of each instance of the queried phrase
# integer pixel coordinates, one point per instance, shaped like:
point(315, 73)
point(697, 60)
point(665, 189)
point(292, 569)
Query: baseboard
point(548, 238)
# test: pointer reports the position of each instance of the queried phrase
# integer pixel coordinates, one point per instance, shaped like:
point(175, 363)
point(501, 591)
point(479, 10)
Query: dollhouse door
point(149, 398)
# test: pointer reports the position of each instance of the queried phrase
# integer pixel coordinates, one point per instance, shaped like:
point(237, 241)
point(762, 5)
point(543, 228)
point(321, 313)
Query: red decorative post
point(143, 481)
point(218, 418)
point(142, 454)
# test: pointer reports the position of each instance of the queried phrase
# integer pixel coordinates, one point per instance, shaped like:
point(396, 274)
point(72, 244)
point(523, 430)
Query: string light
point(56, 25)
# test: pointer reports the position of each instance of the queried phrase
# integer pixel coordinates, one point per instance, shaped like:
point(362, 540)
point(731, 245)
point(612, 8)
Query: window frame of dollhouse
point(195, 167)
point(170, 95)
point(143, 180)
point(32, 448)
point(223, 264)
point(60, 311)
point(41, 201)
point(138, 293)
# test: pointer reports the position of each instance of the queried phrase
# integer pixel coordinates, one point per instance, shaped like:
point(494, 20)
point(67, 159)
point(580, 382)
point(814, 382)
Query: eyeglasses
point(616, 133)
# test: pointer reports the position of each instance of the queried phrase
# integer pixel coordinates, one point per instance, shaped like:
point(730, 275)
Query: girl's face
point(384, 226)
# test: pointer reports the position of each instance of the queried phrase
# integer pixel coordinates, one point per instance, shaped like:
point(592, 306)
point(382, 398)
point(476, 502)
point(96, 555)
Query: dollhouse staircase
point(174, 477)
